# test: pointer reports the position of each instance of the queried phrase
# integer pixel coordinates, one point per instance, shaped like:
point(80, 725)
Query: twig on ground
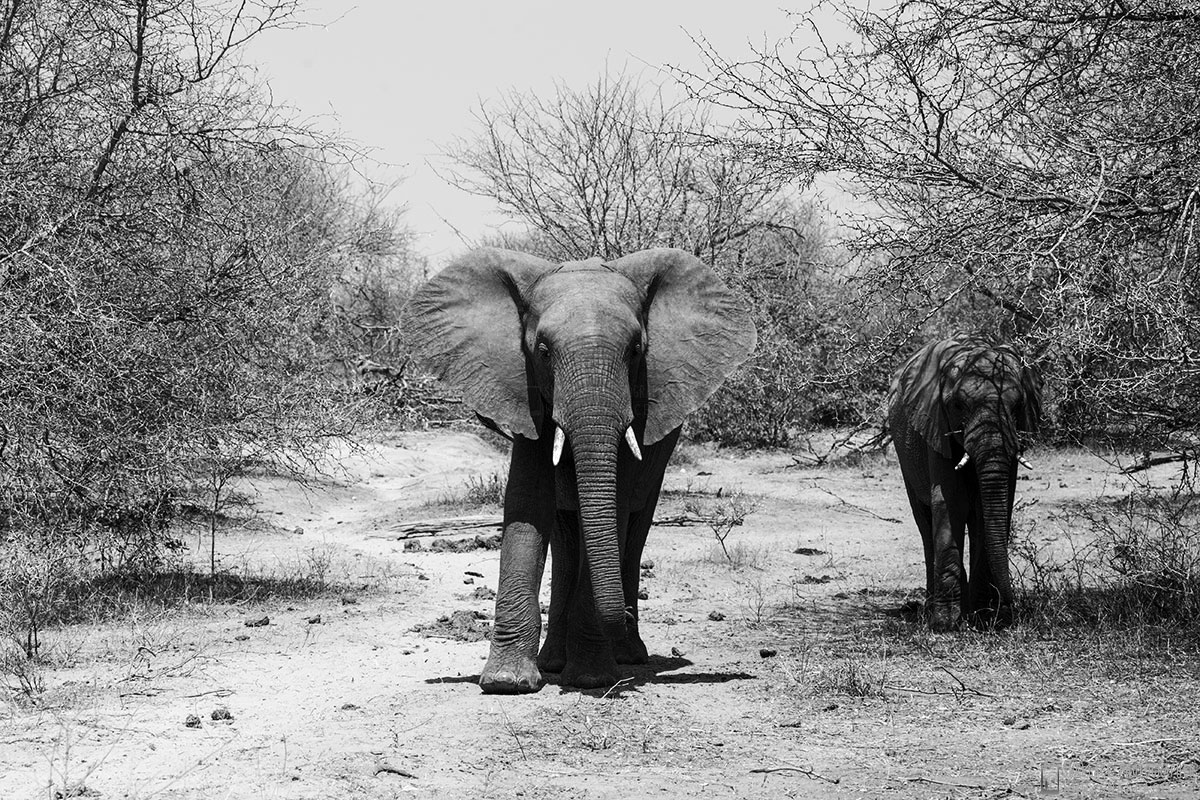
point(512, 731)
point(853, 507)
point(966, 689)
point(388, 767)
point(615, 687)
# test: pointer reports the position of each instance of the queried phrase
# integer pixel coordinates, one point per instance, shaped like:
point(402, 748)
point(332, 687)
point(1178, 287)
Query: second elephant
point(954, 411)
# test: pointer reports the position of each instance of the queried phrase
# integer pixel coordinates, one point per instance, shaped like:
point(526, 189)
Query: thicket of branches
point(613, 168)
point(169, 246)
point(1030, 171)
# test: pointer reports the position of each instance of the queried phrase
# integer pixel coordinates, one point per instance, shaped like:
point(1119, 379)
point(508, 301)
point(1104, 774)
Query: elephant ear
point(1029, 413)
point(465, 326)
point(698, 333)
point(915, 396)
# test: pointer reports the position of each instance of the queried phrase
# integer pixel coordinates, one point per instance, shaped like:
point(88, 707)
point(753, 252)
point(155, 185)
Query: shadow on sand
point(660, 670)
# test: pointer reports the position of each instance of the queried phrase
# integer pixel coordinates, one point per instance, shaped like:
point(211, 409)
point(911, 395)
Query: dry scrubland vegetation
point(195, 290)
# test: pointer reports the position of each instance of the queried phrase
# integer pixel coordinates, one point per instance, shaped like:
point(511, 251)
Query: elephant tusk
point(1024, 463)
point(633, 445)
point(559, 439)
point(966, 457)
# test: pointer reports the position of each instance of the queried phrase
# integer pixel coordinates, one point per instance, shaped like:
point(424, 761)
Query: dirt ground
point(790, 673)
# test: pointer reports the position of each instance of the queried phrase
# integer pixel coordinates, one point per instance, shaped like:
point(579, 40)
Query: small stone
point(647, 563)
point(298, 530)
point(222, 713)
point(647, 573)
point(469, 581)
point(241, 637)
point(643, 594)
point(192, 721)
point(314, 620)
point(716, 616)
point(347, 600)
point(422, 577)
point(676, 652)
point(349, 707)
point(766, 652)
point(1010, 720)
point(258, 622)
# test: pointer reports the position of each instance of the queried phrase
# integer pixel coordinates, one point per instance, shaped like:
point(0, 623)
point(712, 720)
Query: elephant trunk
point(995, 499)
point(595, 448)
point(593, 406)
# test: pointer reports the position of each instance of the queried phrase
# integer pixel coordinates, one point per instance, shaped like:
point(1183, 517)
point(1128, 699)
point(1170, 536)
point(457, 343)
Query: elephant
point(955, 409)
point(590, 367)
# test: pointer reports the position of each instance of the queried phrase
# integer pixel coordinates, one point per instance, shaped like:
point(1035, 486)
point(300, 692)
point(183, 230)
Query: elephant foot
point(631, 649)
point(991, 619)
point(942, 617)
point(590, 675)
point(507, 675)
point(553, 656)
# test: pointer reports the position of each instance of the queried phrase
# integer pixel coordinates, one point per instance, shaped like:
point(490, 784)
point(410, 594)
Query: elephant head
point(969, 400)
point(595, 354)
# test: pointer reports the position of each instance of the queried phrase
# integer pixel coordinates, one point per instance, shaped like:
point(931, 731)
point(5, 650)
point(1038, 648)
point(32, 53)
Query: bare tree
point(169, 245)
point(604, 171)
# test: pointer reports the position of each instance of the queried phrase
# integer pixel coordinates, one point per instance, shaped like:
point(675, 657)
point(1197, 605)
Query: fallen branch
point(1147, 462)
point(802, 770)
point(921, 779)
point(388, 767)
point(677, 521)
point(436, 527)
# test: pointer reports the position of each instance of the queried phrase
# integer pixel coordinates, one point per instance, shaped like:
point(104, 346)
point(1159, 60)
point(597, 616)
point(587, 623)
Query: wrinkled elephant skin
point(591, 366)
point(955, 410)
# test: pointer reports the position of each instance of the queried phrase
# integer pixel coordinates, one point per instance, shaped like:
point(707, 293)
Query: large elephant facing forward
point(592, 366)
point(954, 412)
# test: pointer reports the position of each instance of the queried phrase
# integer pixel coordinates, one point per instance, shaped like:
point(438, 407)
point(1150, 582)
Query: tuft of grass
point(52, 588)
point(1137, 564)
point(479, 491)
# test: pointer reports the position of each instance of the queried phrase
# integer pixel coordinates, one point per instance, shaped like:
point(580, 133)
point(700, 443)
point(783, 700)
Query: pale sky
point(401, 78)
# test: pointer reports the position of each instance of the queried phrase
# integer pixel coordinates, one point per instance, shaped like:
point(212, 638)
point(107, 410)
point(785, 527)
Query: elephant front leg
point(575, 645)
point(512, 662)
point(590, 663)
point(943, 609)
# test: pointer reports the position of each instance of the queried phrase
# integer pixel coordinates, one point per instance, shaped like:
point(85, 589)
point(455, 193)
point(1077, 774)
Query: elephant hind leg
point(943, 605)
point(564, 575)
point(631, 649)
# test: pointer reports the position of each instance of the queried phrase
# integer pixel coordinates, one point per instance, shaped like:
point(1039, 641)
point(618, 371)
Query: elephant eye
point(543, 351)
